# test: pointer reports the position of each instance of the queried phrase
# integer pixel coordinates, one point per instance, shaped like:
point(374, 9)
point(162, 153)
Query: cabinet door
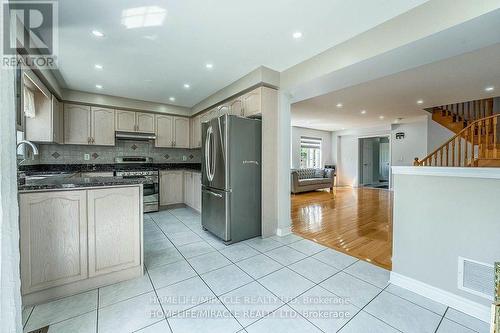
point(125, 121)
point(103, 126)
point(197, 191)
point(171, 187)
point(251, 102)
point(53, 231)
point(181, 132)
point(188, 189)
point(58, 120)
point(145, 122)
point(76, 124)
point(164, 133)
point(114, 227)
point(196, 130)
point(236, 107)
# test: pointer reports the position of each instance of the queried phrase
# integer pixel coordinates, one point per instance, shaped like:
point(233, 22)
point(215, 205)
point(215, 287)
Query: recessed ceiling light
point(363, 111)
point(97, 33)
point(489, 88)
point(420, 101)
point(209, 66)
point(297, 35)
point(339, 105)
point(187, 85)
point(98, 86)
point(97, 66)
point(381, 117)
point(171, 99)
point(343, 128)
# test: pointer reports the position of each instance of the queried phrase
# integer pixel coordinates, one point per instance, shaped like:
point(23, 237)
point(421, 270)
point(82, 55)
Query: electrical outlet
point(86, 157)
point(184, 158)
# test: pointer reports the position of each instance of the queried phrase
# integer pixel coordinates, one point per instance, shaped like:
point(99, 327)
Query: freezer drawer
point(215, 212)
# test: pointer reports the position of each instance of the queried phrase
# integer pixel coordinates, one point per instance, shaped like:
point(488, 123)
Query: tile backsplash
point(75, 154)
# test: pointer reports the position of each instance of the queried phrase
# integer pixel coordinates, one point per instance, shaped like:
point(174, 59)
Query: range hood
point(135, 136)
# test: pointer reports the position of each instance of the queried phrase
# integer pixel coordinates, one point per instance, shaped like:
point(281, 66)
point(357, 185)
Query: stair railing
point(467, 111)
point(479, 140)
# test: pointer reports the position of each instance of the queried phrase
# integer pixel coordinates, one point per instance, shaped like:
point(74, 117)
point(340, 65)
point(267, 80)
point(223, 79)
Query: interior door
point(385, 163)
point(367, 161)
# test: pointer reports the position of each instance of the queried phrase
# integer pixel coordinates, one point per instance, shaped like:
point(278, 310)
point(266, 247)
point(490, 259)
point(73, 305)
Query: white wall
point(403, 152)
point(326, 144)
point(436, 135)
point(433, 227)
point(347, 154)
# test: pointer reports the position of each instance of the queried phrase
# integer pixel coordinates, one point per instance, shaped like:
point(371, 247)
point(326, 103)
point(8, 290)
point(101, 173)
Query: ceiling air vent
point(476, 277)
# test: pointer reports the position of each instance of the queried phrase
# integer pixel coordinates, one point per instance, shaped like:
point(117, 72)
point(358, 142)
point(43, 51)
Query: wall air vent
point(476, 277)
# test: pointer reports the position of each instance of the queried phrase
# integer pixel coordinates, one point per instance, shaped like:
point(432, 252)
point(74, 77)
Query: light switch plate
point(86, 157)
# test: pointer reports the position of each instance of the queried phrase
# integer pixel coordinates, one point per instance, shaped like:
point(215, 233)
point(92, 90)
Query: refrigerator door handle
point(213, 193)
point(209, 160)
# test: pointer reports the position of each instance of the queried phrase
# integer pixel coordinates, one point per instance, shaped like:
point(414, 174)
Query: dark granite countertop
point(68, 181)
point(73, 168)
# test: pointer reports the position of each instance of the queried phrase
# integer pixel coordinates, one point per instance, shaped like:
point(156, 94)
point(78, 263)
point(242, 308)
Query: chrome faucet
point(30, 144)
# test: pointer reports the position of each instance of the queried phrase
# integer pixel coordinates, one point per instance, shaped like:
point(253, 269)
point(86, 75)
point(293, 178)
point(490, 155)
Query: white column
point(284, 134)
point(276, 130)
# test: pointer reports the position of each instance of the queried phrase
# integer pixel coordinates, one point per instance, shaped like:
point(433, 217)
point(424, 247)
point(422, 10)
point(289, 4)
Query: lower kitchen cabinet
point(192, 190)
point(77, 240)
point(53, 231)
point(188, 188)
point(171, 187)
point(113, 229)
point(197, 191)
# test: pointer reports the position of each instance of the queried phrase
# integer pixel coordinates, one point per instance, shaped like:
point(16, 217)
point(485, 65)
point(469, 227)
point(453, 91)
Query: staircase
point(475, 143)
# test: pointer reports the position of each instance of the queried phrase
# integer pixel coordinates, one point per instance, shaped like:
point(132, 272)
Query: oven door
point(151, 197)
point(150, 191)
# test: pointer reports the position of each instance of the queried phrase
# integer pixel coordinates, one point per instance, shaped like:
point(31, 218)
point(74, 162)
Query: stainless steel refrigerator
point(231, 177)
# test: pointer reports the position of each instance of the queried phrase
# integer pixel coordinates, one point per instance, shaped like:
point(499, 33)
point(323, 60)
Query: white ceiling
point(153, 63)
point(460, 78)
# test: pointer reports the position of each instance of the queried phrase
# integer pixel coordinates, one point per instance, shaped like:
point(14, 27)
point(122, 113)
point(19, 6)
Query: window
point(310, 152)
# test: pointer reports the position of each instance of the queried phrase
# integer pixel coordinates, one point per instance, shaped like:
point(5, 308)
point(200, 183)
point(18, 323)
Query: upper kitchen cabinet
point(172, 132)
point(77, 124)
point(195, 132)
point(164, 133)
point(251, 102)
point(42, 110)
point(181, 132)
point(236, 107)
point(130, 121)
point(125, 121)
point(87, 125)
point(145, 122)
point(103, 126)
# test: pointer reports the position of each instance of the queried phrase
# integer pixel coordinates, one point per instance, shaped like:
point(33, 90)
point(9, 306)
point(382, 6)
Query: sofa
point(304, 180)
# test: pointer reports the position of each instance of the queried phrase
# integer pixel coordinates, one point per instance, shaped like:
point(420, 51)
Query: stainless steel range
point(136, 167)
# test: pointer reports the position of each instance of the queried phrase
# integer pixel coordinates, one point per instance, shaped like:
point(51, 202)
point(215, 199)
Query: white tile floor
point(195, 283)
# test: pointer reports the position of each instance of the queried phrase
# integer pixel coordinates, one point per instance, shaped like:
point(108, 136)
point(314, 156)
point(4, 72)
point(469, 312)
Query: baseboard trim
point(283, 231)
point(471, 308)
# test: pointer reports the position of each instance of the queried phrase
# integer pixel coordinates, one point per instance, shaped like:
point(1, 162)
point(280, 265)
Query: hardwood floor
point(356, 221)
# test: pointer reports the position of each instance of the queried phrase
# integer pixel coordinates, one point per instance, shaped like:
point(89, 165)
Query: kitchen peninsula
point(78, 233)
